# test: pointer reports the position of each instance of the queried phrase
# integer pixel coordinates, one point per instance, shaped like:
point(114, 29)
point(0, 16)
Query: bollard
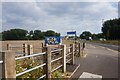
point(83, 45)
point(79, 48)
point(72, 51)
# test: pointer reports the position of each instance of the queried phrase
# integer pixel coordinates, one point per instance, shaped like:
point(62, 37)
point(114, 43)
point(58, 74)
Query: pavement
point(99, 60)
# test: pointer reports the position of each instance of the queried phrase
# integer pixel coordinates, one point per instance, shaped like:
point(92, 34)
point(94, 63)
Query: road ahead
point(114, 47)
point(99, 60)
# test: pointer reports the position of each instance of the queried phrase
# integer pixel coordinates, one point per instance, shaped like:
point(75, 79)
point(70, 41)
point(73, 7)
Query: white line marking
point(90, 75)
point(85, 55)
point(112, 50)
point(75, 70)
point(109, 49)
point(92, 46)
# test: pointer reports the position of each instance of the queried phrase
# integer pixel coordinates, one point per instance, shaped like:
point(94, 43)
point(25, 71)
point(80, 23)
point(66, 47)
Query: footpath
point(100, 62)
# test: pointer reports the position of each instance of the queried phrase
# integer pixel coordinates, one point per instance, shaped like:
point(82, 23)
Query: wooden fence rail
point(9, 61)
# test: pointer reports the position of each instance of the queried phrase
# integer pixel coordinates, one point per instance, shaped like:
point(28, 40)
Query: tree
point(97, 36)
point(51, 33)
point(30, 35)
point(111, 29)
point(38, 35)
point(14, 34)
point(85, 35)
point(21, 34)
point(0, 36)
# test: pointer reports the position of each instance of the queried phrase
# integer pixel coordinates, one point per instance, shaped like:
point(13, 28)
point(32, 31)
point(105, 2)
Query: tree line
point(86, 35)
point(21, 34)
point(110, 31)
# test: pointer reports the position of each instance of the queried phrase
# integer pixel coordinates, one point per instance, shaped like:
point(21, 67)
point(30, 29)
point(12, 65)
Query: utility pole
point(102, 21)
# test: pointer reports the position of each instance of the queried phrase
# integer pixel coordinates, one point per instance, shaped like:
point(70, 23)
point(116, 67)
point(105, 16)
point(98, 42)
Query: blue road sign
point(53, 40)
point(73, 32)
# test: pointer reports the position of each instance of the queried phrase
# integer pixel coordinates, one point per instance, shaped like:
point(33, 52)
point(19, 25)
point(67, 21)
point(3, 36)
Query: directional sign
point(72, 32)
point(53, 40)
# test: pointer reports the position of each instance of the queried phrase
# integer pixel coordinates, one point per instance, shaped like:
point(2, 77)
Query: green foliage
point(97, 36)
point(21, 34)
point(85, 35)
point(57, 74)
point(38, 35)
point(14, 34)
point(111, 29)
point(25, 65)
point(51, 33)
point(0, 36)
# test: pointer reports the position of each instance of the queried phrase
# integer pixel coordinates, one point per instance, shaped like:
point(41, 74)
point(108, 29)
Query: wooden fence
point(9, 60)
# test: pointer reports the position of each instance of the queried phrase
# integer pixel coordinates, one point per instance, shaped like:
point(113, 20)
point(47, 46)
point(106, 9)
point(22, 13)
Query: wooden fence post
point(76, 49)
point(72, 55)
point(42, 45)
point(48, 63)
point(64, 57)
point(8, 66)
point(8, 46)
point(79, 46)
point(30, 50)
point(25, 49)
point(44, 49)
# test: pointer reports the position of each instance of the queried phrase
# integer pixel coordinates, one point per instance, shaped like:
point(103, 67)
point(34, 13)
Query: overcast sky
point(57, 16)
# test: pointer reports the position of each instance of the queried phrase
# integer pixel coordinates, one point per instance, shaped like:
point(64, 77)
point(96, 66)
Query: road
point(99, 60)
point(114, 47)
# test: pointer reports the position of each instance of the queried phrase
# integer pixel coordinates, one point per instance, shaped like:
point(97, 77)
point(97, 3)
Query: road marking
point(75, 70)
point(101, 47)
point(115, 45)
point(109, 49)
point(85, 55)
point(92, 46)
point(112, 50)
point(90, 75)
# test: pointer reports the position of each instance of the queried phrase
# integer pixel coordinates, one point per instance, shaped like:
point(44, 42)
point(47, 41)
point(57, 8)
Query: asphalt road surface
point(100, 61)
point(114, 47)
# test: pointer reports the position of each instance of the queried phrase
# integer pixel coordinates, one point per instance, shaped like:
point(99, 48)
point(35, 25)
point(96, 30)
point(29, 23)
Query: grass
point(68, 42)
point(27, 64)
point(22, 65)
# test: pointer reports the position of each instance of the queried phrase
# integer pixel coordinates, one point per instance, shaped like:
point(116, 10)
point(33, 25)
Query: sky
point(58, 16)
